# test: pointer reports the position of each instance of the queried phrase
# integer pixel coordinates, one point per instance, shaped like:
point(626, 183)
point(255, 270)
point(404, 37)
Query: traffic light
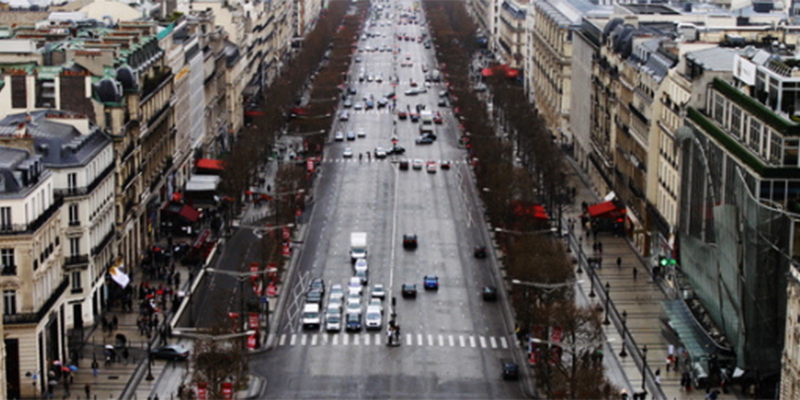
point(662, 261)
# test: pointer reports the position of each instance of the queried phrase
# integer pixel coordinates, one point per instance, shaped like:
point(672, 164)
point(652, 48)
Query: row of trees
point(524, 168)
point(319, 67)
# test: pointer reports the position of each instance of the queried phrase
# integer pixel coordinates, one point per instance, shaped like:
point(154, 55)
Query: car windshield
point(373, 316)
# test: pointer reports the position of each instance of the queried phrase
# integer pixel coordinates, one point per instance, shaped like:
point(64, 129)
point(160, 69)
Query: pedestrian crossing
point(383, 160)
point(377, 339)
point(381, 111)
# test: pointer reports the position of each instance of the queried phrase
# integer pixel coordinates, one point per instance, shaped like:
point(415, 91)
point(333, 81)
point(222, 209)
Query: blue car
point(431, 282)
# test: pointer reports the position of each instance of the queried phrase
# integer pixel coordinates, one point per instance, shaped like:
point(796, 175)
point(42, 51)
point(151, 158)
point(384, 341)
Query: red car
point(402, 115)
point(437, 119)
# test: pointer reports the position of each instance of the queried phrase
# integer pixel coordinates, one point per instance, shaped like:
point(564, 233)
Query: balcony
point(9, 270)
point(76, 261)
point(21, 229)
point(35, 317)
point(162, 77)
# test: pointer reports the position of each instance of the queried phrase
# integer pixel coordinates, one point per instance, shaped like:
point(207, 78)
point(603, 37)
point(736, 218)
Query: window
point(72, 181)
point(7, 261)
point(75, 246)
point(73, 215)
point(5, 218)
point(76, 281)
point(9, 302)
point(736, 122)
point(754, 141)
point(775, 148)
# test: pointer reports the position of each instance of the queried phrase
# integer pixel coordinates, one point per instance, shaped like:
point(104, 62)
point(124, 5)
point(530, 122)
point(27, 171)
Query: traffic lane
point(328, 371)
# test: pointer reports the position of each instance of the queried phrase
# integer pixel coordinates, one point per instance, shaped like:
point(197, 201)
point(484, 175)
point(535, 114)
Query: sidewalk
point(641, 298)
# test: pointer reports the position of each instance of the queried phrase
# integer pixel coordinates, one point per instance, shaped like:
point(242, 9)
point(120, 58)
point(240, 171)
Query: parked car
point(479, 252)
point(510, 370)
point(489, 293)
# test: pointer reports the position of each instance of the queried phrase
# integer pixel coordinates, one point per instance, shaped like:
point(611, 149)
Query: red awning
point(598, 210)
point(524, 209)
point(189, 213)
point(487, 72)
point(214, 165)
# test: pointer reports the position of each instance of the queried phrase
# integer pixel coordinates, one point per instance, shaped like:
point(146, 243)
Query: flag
point(118, 274)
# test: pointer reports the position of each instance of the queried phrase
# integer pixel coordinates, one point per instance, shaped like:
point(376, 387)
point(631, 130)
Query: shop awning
point(523, 209)
point(202, 183)
point(599, 210)
point(209, 164)
point(189, 213)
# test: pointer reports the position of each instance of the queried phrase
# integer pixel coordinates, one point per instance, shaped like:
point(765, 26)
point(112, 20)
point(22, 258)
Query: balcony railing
point(100, 246)
point(81, 191)
point(72, 261)
point(35, 317)
point(20, 229)
point(9, 270)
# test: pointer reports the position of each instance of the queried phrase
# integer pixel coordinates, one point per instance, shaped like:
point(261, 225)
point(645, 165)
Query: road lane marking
point(492, 342)
point(335, 340)
point(345, 339)
point(419, 339)
point(314, 340)
point(441, 341)
point(366, 339)
point(430, 340)
point(303, 339)
point(483, 342)
point(461, 341)
point(503, 342)
point(408, 339)
point(450, 339)
point(377, 339)
point(293, 340)
point(472, 341)
point(355, 340)
point(283, 340)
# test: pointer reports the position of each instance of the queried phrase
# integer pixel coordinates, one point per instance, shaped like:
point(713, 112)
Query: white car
point(353, 297)
point(353, 308)
point(361, 265)
point(376, 303)
point(347, 153)
point(417, 164)
point(374, 320)
point(378, 291)
point(344, 116)
point(334, 303)
point(338, 136)
point(336, 291)
point(333, 322)
point(380, 152)
point(358, 106)
point(354, 285)
point(361, 133)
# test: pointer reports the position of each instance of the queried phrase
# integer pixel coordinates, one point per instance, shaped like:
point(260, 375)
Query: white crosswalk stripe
point(374, 339)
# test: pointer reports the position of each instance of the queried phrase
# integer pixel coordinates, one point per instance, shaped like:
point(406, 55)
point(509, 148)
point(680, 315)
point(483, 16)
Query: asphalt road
point(452, 341)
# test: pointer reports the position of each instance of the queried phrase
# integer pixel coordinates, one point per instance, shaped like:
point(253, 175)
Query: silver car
point(374, 319)
point(333, 322)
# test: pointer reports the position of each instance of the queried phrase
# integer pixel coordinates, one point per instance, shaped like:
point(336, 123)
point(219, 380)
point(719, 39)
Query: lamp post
point(607, 289)
point(644, 366)
point(624, 353)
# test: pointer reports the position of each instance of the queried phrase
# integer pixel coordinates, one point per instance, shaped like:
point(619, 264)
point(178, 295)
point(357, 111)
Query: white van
point(311, 316)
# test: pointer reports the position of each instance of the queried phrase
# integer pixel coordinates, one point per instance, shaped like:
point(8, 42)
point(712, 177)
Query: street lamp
point(624, 353)
point(644, 366)
point(607, 289)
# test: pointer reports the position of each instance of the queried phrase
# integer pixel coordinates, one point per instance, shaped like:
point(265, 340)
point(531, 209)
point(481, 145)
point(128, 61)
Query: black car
point(510, 371)
point(479, 252)
point(396, 150)
point(409, 290)
point(425, 140)
point(409, 241)
point(489, 293)
point(173, 352)
point(314, 296)
point(353, 323)
point(351, 90)
point(404, 165)
point(317, 284)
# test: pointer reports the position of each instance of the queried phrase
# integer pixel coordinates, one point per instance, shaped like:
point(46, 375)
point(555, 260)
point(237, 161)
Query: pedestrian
point(95, 367)
point(600, 247)
point(619, 262)
point(177, 279)
point(88, 390)
point(635, 273)
point(594, 246)
point(115, 322)
point(658, 380)
point(125, 355)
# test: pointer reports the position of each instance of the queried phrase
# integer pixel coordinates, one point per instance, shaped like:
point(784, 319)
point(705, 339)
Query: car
point(352, 307)
point(410, 241)
point(443, 93)
point(396, 150)
point(383, 102)
point(445, 165)
point(437, 118)
point(173, 352)
point(402, 114)
point(363, 275)
point(335, 303)
point(413, 83)
point(489, 293)
point(354, 285)
point(333, 322)
point(379, 78)
point(428, 134)
point(358, 59)
point(361, 265)
point(347, 153)
point(510, 370)
point(353, 297)
point(369, 105)
point(479, 252)
point(358, 106)
point(338, 136)
point(430, 282)
point(404, 165)
point(348, 102)
point(408, 290)
point(353, 322)
point(344, 116)
point(417, 164)
point(351, 135)
point(375, 303)
point(336, 291)
point(351, 90)
point(390, 95)
point(373, 320)
point(314, 296)
point(361, 133)
point(317, 284)
point(442, 102)
point(380, 152)
point(378, 291)
point(414, 117)
point(431, 167)
point(370, 78)
point(412, 92)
